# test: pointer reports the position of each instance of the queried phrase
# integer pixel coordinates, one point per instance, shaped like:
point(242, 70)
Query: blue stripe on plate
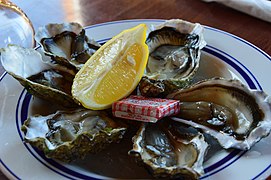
point(58, 166)
point(3, 75)
point(240, 39)
point(222, 161)
point(262, 172)
point(126, 21)
point(205, 26)
point(209, 169)
point(9, 170)
point(234, 65)
point(203, 177)
point(24, 114)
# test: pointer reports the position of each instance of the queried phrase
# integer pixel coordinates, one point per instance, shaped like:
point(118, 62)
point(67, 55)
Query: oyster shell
point(52, 83)
point(170, 150)
point(69, 135)
point(174, 48)
point(66, 43)
point(227, 110)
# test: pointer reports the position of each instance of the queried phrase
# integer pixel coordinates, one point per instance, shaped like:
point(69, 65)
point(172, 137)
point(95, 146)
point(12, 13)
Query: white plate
point(225, 55)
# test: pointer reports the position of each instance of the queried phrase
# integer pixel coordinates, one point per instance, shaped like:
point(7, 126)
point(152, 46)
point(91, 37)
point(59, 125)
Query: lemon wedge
point(113, 71)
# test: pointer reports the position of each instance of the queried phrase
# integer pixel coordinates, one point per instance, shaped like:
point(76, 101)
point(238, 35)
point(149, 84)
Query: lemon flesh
point(114, 71)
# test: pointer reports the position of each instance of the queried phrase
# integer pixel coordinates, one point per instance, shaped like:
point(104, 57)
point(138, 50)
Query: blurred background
point(89, 12)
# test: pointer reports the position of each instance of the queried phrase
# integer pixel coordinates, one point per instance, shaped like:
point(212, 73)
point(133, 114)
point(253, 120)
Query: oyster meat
point(52, 83)
point(170, 149)
point(174, 48)
point(69, 135)
point(227, 110)
point(66, 43)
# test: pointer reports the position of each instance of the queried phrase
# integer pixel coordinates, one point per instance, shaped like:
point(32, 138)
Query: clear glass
point(15, 27)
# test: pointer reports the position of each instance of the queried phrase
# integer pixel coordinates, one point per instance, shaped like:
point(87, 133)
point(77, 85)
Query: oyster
point(66, 43)
point(227, 110)
point(69, 135)
point(52, 83)
point(170, 150)
point(174, 48)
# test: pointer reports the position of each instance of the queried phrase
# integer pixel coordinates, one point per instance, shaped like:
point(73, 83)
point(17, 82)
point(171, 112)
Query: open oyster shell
point(66, 43)
point(52, 83)
point(69, 135)
point(170, 149)
point(227, 110)
point(174, 48)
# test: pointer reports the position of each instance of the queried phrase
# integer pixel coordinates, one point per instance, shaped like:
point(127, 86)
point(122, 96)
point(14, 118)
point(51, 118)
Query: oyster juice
point(176, 47)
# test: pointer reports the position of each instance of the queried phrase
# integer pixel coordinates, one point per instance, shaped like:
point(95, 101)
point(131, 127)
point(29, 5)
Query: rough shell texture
point(184, 27)
point(66, 43)
point(170, 150)
point(174, 48)
point(51, 83)
point(240, 116)
point(70, 135)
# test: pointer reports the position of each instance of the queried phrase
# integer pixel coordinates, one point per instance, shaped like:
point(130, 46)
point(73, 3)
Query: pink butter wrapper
point(145, 109)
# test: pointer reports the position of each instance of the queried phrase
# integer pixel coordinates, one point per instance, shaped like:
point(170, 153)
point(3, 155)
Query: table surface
point(88, 12)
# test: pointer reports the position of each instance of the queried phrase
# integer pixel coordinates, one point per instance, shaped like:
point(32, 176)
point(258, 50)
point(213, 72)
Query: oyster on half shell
point(49, 82)
point(66, 43)
point(227, 110)
point(174, 54)
point(170, 149)
point(70, 135)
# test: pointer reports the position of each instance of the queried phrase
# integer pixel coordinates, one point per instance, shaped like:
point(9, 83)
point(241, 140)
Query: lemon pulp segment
point(114, 71)
point(121, 77)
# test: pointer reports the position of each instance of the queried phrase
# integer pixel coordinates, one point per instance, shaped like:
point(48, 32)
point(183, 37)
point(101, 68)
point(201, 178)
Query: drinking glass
point(15, 26)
